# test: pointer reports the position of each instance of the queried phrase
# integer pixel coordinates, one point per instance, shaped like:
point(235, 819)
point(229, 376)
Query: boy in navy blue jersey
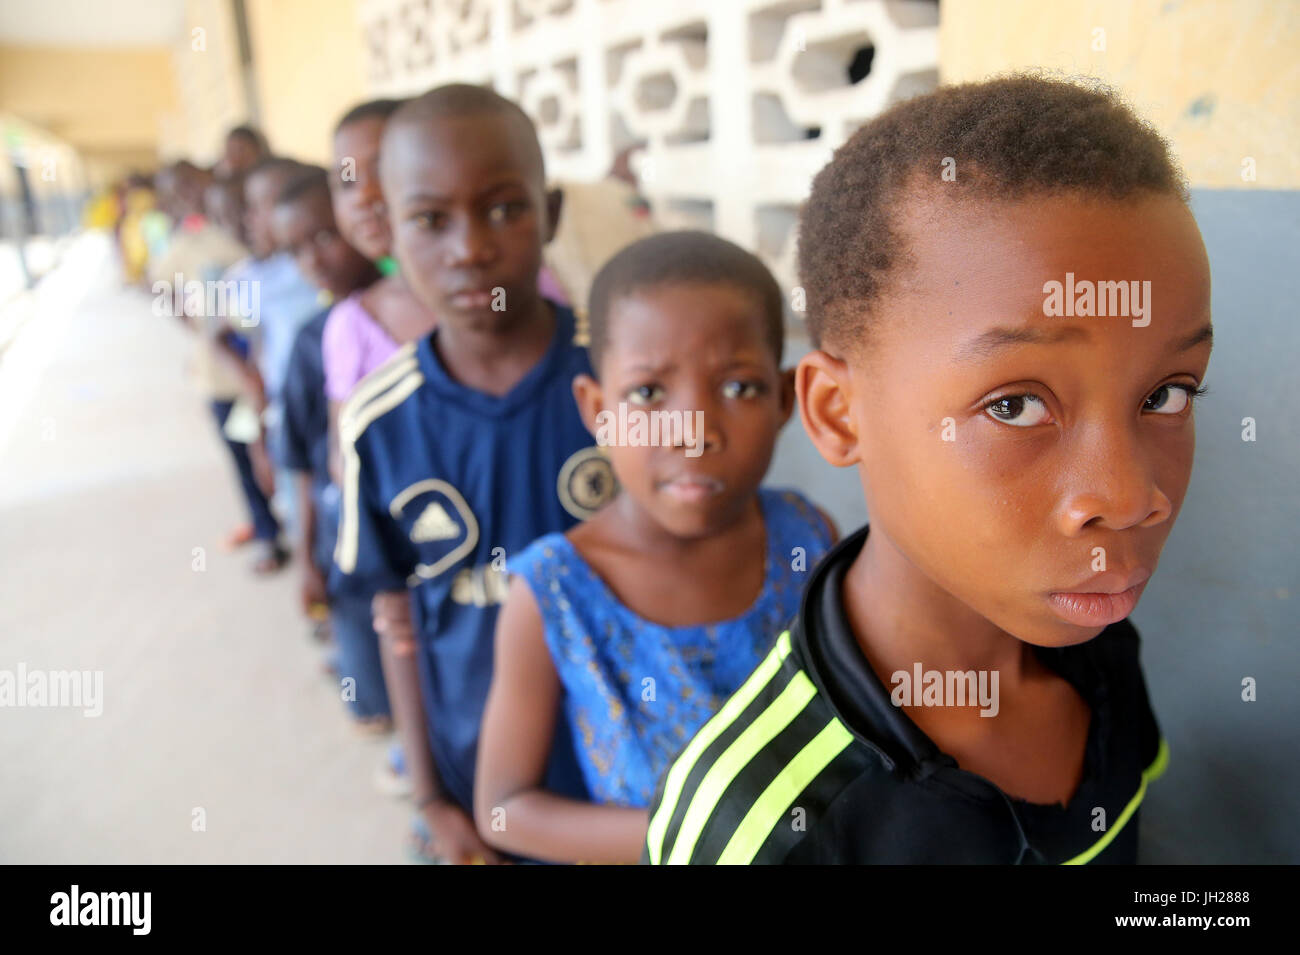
point(467, 445)
point(1011, 305)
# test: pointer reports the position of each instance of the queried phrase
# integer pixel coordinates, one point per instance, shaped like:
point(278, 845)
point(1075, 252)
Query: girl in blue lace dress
point(631, 630)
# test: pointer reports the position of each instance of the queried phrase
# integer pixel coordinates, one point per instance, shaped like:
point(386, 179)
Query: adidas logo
point(433, 524)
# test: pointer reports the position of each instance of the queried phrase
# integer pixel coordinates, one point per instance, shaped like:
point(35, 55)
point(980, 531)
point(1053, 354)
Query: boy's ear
point(588, 395)
point(823, 386)
point(554, 205)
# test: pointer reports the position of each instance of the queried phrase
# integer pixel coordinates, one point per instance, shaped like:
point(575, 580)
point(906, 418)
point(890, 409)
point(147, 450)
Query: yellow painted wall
point(106, 104)
point(309, 66)
point(209, 90)
point(1219, 78)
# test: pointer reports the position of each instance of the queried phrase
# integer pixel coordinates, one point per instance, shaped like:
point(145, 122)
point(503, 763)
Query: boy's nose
point(701, 422)
point(370, 194)
point(1116, 489)
point(471, 243)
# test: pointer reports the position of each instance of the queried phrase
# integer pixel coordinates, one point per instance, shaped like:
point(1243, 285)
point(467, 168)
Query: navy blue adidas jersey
point(305, 436)
point(441, 484)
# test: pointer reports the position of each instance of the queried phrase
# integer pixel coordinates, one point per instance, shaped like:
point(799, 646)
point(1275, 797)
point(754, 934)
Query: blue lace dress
point(635, 691)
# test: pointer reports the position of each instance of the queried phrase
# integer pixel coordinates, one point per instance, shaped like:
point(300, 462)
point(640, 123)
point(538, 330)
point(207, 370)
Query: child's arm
point(242, 367)
point(511, 808)
point(453, 831)
point(312, 590)
point(300, 397)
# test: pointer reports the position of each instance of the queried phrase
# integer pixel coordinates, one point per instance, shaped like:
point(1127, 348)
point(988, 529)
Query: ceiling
point(91, 23)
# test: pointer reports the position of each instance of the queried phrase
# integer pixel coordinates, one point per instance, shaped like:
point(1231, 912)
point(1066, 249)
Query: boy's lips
point(1102, 600)
point(471, 298)
point(371, 228)
point(692, 489)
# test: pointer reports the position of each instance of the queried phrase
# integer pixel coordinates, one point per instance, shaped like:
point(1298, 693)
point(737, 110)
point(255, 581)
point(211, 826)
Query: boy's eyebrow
point(647, 368)
point(1204, 334)
point(508, 182)
point(984, 344)
point(423, 196)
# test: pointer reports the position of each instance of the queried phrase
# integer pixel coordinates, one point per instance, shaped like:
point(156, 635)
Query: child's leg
point(265, 526)
point(284, 502)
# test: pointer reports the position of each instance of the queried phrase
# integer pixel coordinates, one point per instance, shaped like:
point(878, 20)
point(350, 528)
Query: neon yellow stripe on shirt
point(782, 791)
point(735, 758)
point(711, 730)
point(1152, 772)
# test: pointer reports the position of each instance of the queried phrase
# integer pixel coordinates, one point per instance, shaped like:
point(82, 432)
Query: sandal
point(321, 632)
point(390, 777)
point(419, 847)
point(373, 725)
point(329, 666)
point(273, 559)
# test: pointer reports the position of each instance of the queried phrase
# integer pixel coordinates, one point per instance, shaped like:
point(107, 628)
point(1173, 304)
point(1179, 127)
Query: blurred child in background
point(199, 251)
point(303, 225)
point(244, 148)
point(366, 327)
point(286, 301)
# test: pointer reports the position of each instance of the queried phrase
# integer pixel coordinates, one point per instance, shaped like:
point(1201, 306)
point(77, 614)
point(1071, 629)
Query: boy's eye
point(742, 389)
point(503, 212)
point(1170, 399)
point(429, 220)
point(1020, 411)
point(645, 395)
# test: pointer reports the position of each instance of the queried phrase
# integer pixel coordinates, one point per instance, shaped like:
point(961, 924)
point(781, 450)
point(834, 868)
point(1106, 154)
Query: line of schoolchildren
point(569, 635)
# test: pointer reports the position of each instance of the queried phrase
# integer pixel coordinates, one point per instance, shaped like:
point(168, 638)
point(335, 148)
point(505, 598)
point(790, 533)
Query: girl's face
point(354, 187)
point(1027, 465)
point(306, 229)
point(689, 368)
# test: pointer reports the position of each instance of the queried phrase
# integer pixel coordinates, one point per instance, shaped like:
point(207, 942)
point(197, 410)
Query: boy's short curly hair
point(683, 257)
point(370, 109)
point(460, 100)
point(1004, 139)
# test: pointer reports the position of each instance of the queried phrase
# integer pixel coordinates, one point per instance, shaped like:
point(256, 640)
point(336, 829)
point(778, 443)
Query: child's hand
point(391, 615)
point(263, 469)
point(454, 836)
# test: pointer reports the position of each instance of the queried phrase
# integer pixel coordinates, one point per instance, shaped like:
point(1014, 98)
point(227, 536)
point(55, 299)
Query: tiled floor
point(213, 697)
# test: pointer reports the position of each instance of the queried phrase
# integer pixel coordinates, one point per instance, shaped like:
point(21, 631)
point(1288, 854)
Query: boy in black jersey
point(1011, 306)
